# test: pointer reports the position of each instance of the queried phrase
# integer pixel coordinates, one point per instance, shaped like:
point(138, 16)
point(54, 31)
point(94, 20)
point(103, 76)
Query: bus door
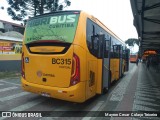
point(117, 49)
point(104, 48)
point(127, 53)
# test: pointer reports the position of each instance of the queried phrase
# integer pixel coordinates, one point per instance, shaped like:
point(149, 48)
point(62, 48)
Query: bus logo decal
point(63, 19)
point(39, 73)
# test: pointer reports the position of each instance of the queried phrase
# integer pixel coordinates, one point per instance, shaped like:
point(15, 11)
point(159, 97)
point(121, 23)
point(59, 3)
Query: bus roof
point(56, 12)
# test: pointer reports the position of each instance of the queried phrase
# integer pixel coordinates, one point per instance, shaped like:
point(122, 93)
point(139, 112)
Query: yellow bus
point(71, 55)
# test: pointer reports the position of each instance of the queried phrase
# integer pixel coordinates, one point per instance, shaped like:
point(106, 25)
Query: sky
point(115, 14)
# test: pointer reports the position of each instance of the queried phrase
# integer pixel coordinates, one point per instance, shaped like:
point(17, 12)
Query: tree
point(2, 7)
point(132, 41)
point(19, 9)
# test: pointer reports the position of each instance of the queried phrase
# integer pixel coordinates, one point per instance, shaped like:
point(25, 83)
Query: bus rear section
point(55, 76)
point(50, 62)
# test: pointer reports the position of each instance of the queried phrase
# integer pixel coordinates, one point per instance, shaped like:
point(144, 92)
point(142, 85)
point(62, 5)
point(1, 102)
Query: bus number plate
point(45, 94)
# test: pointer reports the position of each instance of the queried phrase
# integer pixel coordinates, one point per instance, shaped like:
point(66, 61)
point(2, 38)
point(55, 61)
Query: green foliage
point(19, 9)
point(2, 8)
point(132, 41)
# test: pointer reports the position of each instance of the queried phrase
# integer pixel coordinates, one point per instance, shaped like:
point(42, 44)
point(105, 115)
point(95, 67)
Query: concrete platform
point(141, 93)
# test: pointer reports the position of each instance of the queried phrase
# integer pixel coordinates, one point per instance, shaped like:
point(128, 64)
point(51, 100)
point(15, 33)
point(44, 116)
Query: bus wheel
point(105, 90)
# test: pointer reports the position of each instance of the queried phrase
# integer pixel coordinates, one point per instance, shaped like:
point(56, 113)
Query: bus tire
point(105, 90)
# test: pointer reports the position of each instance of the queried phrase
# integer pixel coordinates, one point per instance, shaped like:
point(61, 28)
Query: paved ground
point(138, 90)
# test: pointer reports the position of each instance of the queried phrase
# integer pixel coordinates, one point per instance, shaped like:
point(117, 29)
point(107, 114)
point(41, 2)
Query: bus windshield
point(57, 27)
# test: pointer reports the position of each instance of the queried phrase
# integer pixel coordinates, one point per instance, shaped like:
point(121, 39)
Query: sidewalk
point(142, 93)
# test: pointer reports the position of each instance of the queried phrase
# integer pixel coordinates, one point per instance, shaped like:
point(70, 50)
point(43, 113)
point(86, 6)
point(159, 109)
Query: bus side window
point(111, 52)
point(95, 40)
point(93, 31)
point(117, 51)
point(89, 34)
point(124, 54)
point(92, 41)
point(106, 48)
